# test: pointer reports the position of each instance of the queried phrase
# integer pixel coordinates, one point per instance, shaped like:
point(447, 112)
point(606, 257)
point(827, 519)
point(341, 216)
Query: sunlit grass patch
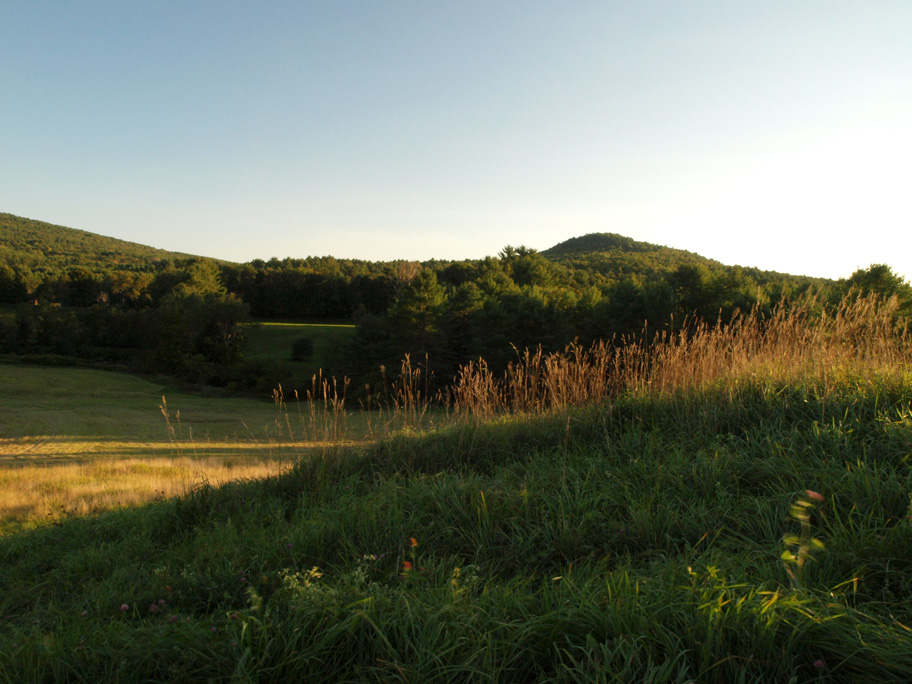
point(61, 487)
point(74, 441)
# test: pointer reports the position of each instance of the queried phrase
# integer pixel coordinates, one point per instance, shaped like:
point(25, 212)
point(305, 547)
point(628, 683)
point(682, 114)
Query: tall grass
point(796, 342)
point(323, 416)
point(791, 344)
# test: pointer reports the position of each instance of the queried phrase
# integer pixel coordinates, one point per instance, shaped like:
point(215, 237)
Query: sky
point(774, 134)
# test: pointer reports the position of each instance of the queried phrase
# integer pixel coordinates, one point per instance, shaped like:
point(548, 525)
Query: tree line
point(187, 317)
point(496, 308)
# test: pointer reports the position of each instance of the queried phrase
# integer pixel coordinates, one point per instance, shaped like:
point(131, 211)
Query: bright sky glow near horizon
point(772, 134)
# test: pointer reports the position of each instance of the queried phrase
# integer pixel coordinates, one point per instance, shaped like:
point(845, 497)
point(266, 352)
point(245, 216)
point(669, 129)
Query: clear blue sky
point(770, 134)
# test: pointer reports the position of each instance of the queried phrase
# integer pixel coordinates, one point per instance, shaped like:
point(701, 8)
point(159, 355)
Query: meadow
point(272, 341)
point(727, 504)
point(74, 441)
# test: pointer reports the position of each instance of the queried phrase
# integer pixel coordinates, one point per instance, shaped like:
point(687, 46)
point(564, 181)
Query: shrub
point(302, 349)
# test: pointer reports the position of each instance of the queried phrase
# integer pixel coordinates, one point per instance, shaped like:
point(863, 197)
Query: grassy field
point(77, 440)
point(272, 342)
point(732, 506)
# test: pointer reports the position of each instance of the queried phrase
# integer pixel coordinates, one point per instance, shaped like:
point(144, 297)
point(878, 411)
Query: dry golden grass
point(74, 441)
point(49, 477)
point(57, 489)
point(794, 343)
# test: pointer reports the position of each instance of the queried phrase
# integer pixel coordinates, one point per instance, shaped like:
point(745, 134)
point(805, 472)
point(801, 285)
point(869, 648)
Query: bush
point(302, 349)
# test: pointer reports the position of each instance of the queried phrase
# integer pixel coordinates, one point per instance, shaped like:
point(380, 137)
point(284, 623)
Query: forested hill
point(40, 248)
point(615, 257)
point(612, 242)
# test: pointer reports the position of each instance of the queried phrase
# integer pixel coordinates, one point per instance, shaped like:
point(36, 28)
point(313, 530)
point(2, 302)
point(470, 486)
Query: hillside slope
point(643, 539)
point(39, 247)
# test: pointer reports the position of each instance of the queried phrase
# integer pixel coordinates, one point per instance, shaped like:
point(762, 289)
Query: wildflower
point(161, 602)
point(124, 607)
point(213, 629)
point(413, 542)
point(84, 613)
point(172, 619)
point(288, 545)
point(814, 496)
point(819, 664)
point(153, 608)
point(406, 566)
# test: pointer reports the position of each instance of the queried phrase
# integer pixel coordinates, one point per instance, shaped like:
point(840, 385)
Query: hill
point(616, 257)
point(37, 251)
point(612, 242)
point(40, 248)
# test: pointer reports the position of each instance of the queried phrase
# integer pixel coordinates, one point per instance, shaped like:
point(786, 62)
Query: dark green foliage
point(302, 349)
point(205, 328)
point(12, 288)
point(417, 311)
point(879, 279)
point(312, 288)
